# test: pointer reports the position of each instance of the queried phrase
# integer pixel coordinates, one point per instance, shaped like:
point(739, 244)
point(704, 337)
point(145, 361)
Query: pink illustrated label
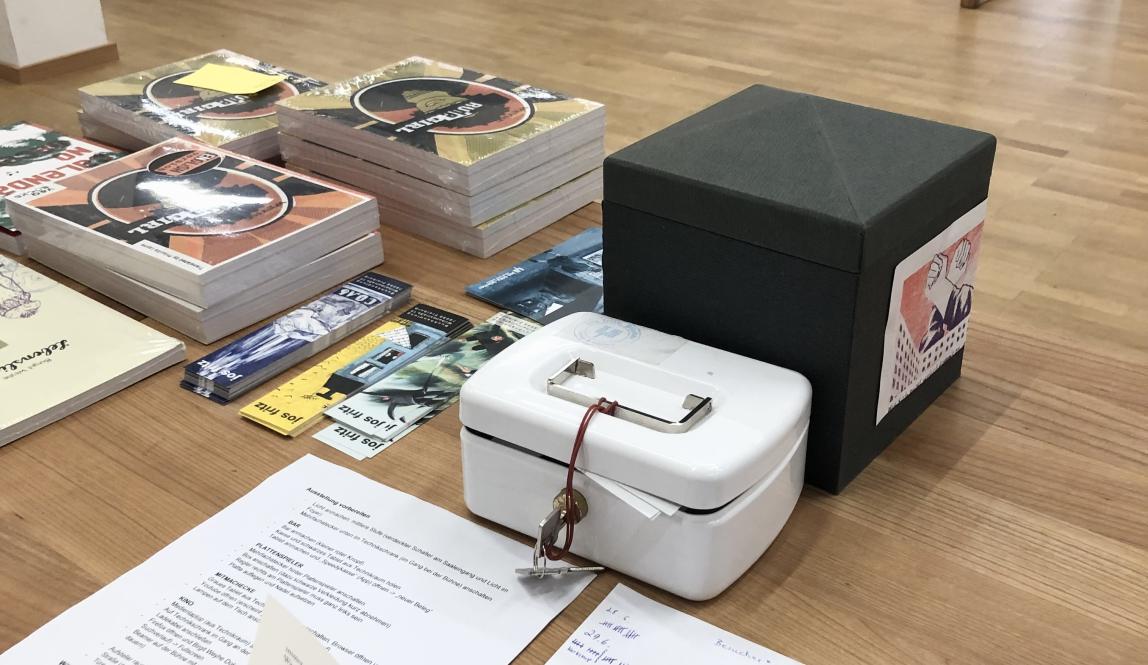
point(929, 308)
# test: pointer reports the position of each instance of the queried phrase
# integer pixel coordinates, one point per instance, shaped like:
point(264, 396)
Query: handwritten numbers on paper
point(628, 628)
point(593, 646)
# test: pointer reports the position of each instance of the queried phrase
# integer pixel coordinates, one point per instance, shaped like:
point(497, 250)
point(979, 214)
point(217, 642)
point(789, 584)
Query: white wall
point(32, 31)
point(7, 44)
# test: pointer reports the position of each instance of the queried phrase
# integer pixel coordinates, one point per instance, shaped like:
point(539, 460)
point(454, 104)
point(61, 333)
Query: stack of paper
point(30, 156)
point(464, 158)
point(221, 98)
point(107, 135)
point(391, 408)
point(254, 358)
point(200, 239)
point(61, 351)
point(298, 403)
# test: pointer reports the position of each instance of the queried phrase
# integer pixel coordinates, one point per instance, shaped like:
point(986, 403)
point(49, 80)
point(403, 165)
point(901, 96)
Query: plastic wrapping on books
point(197, 222)
point(423, 106)
point(163, 108)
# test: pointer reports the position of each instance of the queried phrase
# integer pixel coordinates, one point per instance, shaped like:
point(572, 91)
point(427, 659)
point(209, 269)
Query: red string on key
point(601, 406)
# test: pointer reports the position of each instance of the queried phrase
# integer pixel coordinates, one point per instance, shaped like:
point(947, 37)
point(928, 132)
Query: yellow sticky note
point(232, 80)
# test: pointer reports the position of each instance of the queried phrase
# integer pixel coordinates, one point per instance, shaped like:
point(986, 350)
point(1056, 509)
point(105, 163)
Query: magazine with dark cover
point(424, 328)
point(213, 117)
point(459, 114)
point(239, 366)
point(564, 279)
point(422, 389)
point(31, 155)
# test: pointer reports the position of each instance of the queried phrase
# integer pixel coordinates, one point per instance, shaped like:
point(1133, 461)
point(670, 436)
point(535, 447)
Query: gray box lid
point(831, 182)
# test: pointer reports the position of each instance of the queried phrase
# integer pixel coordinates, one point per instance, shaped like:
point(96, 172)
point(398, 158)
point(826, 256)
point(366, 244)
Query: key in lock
point(548, 530)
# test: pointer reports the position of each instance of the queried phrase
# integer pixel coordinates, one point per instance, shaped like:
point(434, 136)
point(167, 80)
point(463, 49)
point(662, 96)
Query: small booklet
point(61, 351)
point(402, 401)
point(564, 279)
point(629, 628)
point(298, 403)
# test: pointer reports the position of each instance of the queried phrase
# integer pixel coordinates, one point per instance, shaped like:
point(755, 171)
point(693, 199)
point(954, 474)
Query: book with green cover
point(30, 156)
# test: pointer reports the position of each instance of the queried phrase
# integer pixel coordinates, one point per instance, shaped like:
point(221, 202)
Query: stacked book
point(467, 159)
point(232, 370)
point(32, 156)
point(147, 107)
point(203, 240)
point(62, 351)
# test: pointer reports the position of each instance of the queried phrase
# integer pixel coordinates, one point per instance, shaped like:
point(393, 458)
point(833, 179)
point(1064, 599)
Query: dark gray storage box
point(782, 226)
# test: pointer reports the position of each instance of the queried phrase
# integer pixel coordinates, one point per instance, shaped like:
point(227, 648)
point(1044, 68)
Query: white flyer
point(284, 640)
point(378, 575)
point(629, 628)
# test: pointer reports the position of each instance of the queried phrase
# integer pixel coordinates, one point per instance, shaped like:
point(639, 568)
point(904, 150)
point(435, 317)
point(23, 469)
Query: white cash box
point(686, 484)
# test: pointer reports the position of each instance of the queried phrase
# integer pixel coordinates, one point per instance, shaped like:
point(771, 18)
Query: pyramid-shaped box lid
point(835, 183)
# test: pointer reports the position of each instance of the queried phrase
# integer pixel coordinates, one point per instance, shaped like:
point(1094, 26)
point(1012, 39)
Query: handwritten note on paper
point(232, 80)
point(281, 639)
point(630, 629)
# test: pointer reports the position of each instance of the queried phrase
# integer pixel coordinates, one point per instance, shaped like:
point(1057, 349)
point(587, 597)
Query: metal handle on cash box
point(698, 406)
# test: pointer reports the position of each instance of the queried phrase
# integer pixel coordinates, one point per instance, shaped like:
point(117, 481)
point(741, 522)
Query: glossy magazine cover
point(194, 206)
point(214, 117)
point(564, 279)
point(420, 390)
point(31, 156)
point(294, 405)
point(365, 296)
point(456, 113)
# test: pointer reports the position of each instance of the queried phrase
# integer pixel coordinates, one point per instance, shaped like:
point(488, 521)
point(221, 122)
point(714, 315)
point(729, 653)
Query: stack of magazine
point(147, 107)
point(467, 159)
point(31, 156)
point(235, 368)
point(61, 351)
point(203, 240)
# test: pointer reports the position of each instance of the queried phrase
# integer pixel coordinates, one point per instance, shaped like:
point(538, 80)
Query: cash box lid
point(834, 183)
point(759, 411)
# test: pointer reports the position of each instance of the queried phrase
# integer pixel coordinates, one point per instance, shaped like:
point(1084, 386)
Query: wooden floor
point(1008, 525)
